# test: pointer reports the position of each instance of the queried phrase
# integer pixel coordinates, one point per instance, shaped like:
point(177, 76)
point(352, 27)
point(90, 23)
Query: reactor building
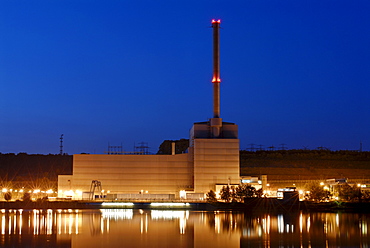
point(212, 161)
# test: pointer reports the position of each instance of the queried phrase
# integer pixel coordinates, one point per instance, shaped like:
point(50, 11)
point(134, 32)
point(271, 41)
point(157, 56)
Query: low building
point(209, 162)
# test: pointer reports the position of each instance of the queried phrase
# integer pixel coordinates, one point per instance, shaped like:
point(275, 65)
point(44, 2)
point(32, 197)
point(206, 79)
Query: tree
point(348, 193)
point(8, 196)
point(233, 195)
point(27, 197)
point(318, 193)
point(259, 193)
point(225, 193)
point(246, 191)
point(239, 193)
point(211, 196)
point(365, 196)
point(180, 146)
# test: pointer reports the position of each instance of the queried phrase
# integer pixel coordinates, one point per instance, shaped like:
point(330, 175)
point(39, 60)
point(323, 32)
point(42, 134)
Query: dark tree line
point(28, 167)
point(344, 192)
point(180, 146)
point(235, 193)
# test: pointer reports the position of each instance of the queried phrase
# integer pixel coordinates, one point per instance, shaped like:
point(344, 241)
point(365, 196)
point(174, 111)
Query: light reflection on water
point(166, 228)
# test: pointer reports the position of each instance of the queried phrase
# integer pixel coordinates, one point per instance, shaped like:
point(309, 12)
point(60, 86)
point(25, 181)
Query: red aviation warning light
point(216, 80)
point(216, 21)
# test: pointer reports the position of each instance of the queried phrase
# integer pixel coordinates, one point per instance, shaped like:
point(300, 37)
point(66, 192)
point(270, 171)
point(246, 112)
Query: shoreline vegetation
point(262, 205)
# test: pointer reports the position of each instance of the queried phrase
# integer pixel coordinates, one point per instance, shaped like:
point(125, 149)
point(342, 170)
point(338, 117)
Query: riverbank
point(250, 205)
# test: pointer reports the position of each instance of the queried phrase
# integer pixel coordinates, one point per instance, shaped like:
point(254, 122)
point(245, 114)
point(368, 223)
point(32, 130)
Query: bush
point(348, 193)
point(318, 193)
point(211, 196)
point(8, 196)
point(27, 197)
point(239, 193)
point(225, 193)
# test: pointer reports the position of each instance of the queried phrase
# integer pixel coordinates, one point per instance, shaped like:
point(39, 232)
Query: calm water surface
point(157, 228)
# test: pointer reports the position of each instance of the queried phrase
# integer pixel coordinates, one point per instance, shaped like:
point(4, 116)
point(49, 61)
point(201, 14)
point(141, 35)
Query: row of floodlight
point(35, 191)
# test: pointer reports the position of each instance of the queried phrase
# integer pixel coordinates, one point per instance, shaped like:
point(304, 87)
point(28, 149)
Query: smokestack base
point(216, 124)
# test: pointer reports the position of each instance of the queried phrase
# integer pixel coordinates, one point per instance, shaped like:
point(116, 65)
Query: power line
point(61, 145)
point(283, 147)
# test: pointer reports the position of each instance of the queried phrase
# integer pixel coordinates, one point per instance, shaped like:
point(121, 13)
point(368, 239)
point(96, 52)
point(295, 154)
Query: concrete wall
point(216, 161)
point(210, 161)
point(130, 174)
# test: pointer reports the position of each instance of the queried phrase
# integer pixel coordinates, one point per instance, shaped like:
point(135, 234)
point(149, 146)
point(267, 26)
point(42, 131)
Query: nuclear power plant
point(212, 161)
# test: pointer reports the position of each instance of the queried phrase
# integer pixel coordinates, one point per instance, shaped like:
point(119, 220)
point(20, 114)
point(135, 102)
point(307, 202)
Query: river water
point(175, 228)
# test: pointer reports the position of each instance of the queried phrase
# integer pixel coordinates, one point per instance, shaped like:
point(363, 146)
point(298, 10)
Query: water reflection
point(157, 228)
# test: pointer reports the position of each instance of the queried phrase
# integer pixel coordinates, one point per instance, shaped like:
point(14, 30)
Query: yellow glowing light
point(117, 213)
point(322, 183)
point(217, 195)
point(69, 193)
point(159, 214)
point(182, 194)
point(173, 204)
point(4, 190)
point(21, 191)
point(50, 191)
point(117, 204)
point(36, 191)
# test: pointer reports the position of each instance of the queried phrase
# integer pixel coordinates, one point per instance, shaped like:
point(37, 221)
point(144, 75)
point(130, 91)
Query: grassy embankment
point(306, 164)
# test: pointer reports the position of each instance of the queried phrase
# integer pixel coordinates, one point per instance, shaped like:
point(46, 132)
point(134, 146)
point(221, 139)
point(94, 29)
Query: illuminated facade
point(210, 162)
point(129, 174)
point(216, 160)
point(213, 159)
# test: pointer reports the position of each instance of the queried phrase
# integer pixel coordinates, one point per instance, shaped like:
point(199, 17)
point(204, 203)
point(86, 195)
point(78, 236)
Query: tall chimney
point(216, 68)
point(216, 121)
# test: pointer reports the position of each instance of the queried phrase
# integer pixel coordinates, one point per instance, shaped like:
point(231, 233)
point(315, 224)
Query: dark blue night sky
point(123, 72)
